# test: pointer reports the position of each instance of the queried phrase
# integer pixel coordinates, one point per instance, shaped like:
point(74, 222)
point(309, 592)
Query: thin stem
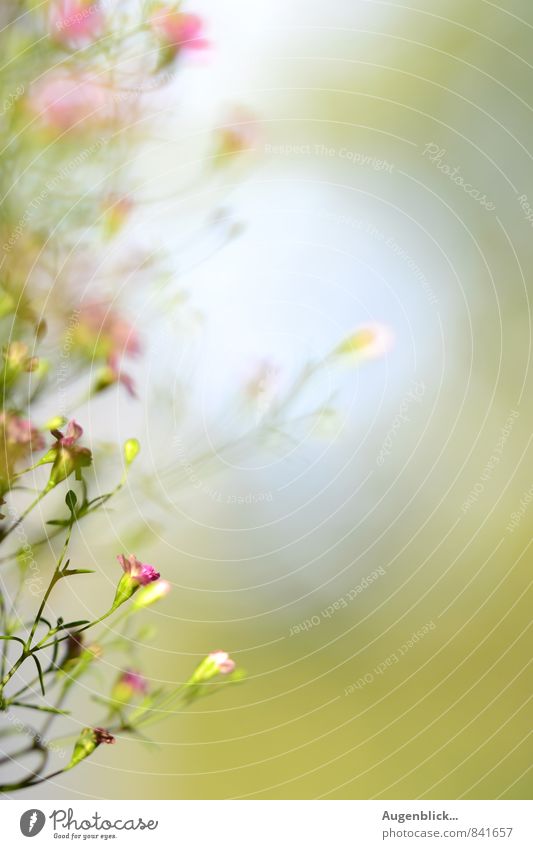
point(28, 510)
point(8, 676)
point(51, 586)
point(21, 785)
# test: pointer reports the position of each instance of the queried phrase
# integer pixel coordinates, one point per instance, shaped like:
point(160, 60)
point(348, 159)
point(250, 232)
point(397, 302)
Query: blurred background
point(367, 564)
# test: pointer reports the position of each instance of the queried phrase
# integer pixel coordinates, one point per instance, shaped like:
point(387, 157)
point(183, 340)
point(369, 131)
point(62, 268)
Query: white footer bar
point(269, 824)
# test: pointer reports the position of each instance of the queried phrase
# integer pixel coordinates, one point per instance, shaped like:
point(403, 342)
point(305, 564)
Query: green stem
point(28, 510)
point(21, 785)
point(51, 586)
point(8, 676)
point(43, 645)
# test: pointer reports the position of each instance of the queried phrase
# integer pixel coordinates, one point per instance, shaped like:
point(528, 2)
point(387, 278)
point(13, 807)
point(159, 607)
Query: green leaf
point(44, 708)
point(11, 637)
point(67, 572)
point(71, 500)
point(40, 673)
point(75, 624)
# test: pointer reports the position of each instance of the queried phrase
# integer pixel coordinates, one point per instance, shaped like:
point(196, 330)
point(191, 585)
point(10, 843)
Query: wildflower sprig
point(83, 70)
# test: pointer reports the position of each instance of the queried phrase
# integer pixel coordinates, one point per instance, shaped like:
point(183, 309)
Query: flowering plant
point(79, 92)
point(76, 69)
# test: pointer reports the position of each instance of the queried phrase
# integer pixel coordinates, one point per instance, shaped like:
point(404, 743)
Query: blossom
point(19, 432)
point(136, 574)
point(102, 331)
point(16, 356)
point(178, 31)
point(368, 341)
point(142, 573)
point(113, 374)
point(67, 457)
point(74, 432)
point(18, 438)
point(129, 684)
point(134, 680)
point(222, 661)
point(65, 101)
point(75, 23)
point(218, 662)
point(87, 742)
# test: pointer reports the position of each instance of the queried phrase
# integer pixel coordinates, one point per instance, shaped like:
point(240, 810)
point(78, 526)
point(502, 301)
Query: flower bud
point(151, 593)
point(136, 574)
point(87, 742)
point(369, 341)
point(67, 461)
point(73, 650)
point(65, 455)
point(218, 662)
point(129, 684)
point(55, 423)
point(131, 449)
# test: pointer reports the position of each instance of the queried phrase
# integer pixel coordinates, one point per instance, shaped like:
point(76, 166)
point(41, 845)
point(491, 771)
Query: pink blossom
point(134, 681)
point(75, 23)
point(17, 440)
point(65, 101)
point(18, 432)
point(67, 457)
point(142, 573)
point(178, 30)
point(119, 376)
point(102, 327)
point(74, 432)
point(222, 661)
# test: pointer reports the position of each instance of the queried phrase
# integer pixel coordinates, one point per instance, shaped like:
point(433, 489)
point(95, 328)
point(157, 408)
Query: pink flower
point(76, 23)
point(74, 432)
point(222, 661)
point(178, 30)
point(17, 440)
point(66, 455)
point(119, 376)
point(19, 433)
point(65, 101)
point(134, 681)
point(104, 331)
point(139, 572)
